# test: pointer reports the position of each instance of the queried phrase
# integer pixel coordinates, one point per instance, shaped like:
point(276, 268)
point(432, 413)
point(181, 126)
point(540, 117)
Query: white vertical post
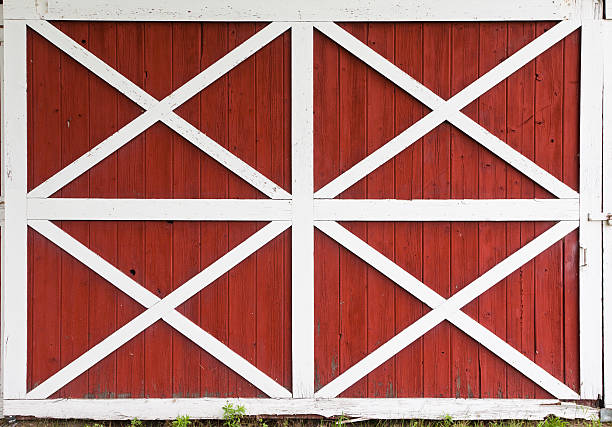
point(1, 191)
point(14, 233)
point(607, 208)
point(302, 188)
point(590, 294)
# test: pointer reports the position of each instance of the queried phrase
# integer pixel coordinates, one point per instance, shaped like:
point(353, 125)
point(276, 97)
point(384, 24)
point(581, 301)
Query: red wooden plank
point(464, 235)
point(326, 167)
point(186, 39)
point(380, 185)
point(492, 236)
point(408, 236)
point(130, 234)
point(75, 276)
point(271, 280)
point(32, 237)
point(287, 378)
point(549, 154)
point(571, 120)
point(102, 304)
point(158, 184)
point(43, 159)
point(353, 275)
point(436, 185)
point(242, 142)
point(520, 284)
point(214, 235)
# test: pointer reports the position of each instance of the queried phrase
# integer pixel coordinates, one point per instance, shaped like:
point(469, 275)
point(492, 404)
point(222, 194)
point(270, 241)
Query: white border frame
point(293, 10)
point(590, 237)
point(458, 409)
point(303, 208)
point(607, 208)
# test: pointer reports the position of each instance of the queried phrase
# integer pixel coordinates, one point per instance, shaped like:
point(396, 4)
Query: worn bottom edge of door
point(423, 408)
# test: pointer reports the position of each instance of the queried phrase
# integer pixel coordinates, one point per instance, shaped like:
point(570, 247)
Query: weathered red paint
point(356, 111)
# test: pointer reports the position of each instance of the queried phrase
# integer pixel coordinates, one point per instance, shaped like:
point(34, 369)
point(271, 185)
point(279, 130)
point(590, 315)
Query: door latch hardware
point(607, 217)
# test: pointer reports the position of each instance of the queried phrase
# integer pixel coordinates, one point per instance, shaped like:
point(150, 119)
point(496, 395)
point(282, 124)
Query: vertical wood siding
point(536, 112)
point(73, 309)
point(356, 111)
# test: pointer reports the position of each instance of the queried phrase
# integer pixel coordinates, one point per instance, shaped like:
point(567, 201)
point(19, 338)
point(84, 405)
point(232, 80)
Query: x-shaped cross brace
point(159, 110)
point(446, 110)
point(446, 309)
point(157, 309)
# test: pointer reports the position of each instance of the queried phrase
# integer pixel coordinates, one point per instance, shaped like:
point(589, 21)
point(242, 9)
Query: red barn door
point(306, 212)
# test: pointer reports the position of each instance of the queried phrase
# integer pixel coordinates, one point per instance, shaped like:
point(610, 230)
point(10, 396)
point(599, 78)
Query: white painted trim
point(447, 210)
point(23, 9)
point(148, 299)
point(302, 231)
point(14, 233)
point(159, 310)
point(2, 210)
point(164, 409)
point(607, 207)
point(303, 212)
point(159, 110)
point(160, 209)
point(449, 309)
point(590, 237)
point(293, 10)
point(446, 110)
point(324, 210)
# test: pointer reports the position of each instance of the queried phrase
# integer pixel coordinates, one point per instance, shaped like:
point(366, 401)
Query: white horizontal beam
point(294, 10)
point(159, 209)
point(324, 210)
point(376, 408)
point(447, 210)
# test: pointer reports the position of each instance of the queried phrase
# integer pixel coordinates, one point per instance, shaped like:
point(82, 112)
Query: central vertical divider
point(302, 232)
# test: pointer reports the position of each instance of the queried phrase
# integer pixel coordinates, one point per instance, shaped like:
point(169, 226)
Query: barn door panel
point(246, 309)
point(243, 98)
point(233, 318)
point(325, 211)
point(448, 172)
point(365, 297)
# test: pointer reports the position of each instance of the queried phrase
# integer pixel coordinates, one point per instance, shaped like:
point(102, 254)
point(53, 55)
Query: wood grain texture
point(520, 133)
point(436, 244)
point(409, 375)
point(161, 254)
point(549, 152)
point(356, 111)
point(446, 164)
point(102, 304)
point(464, 235)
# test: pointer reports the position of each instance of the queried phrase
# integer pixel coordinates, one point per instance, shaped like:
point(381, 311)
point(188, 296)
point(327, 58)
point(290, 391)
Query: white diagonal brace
point(446, 110)
point(159, 110)
point(146, 298)
point(161, 309)
point(446, 309)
